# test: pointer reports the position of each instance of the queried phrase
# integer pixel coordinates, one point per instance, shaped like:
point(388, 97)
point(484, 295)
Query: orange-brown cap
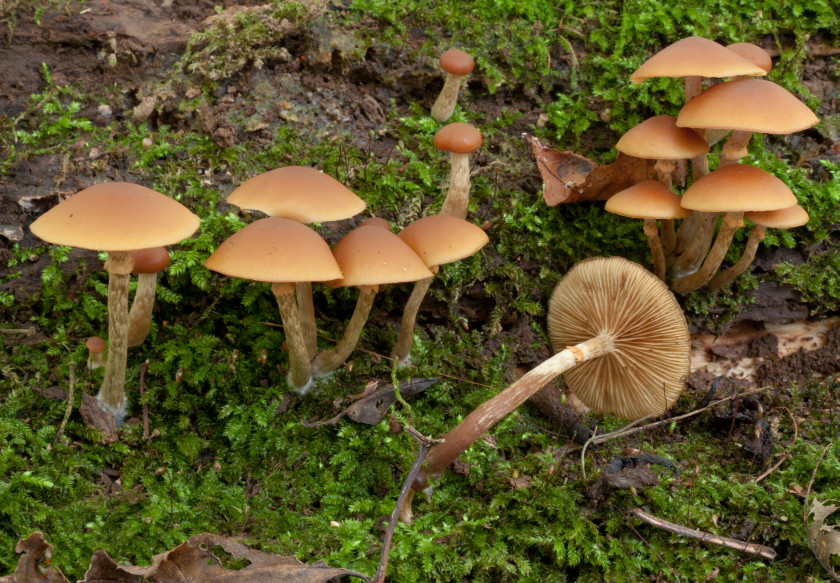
point(738, 187)
point(786, 218)
point(695, 56)
point(440, 239)
point(371, 255)
point(95, 344)
point(300, 193)
point(376, 222)
point(458, 137)
point(150, 260)
point(659, 138)
point(116, 216)
point(647, 200)
point(753, 53)
point(276, 250)
point(753, 105)
point(457, 62)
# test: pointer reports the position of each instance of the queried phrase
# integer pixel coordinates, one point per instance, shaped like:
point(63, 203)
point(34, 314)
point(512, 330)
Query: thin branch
point(655, 552)
point(72, 367)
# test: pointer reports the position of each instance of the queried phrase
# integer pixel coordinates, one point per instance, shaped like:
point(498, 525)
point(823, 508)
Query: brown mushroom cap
point(753, 105)
point(459, 138)
point(95, 344)
point(150, 260)
point(645, 373)
point(753, 53)
point(659, 138)
point(300, 193)
point(116, 216)
point(786, 218)
point(697, 57)
point(648, 199)
point(439, 239)
point(371, 255)
point(276, 250)
point(456, 62)
point(376, 222)
point(738, 187)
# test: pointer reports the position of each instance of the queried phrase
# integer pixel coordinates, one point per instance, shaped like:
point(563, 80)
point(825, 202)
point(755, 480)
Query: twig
point(69, 408)
point(724, 541)
point(787, 452)
point(660, 557)
point(143, 368)
point(426, 444)
point(25, 331)
point(806, 511)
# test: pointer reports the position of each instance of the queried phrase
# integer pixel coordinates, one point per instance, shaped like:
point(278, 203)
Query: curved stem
point(458, 197)
point(668, 237)
point(688, 228)
point(329, 360)
point(306, 307)
point(300, 372)
point(403, 346)
point(448, 98)
point(698, 246)
point(688, 283)
point(112, 393)
point(652, 234)
point(724, 277)
point(735, 147)
point(140, 315)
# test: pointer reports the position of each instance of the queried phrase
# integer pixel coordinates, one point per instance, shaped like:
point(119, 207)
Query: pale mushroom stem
point(697, 247)
point(329, 360)
point(486, 415)
point(724, 277)
point(112, 393)
point(300, 377)
point(457, 199)
point(688, 283)
point(668, 236)
point(735, 147)
point(693, 86)
point(140, 315)
point(307, 317)
point(445, 104)
point(652, 234)
point(402, 348)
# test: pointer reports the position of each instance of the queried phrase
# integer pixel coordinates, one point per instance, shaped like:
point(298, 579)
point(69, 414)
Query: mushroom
point(282, 252)
point(147, 264)
point(369, 256)
point(437, 239)
point(787, 218)
point(650, 200)
point(753, 53)
point(116, 217)
point(96, 352)
point(306, 195)
point(624, 349)
point(456, 63)
point(460, 139)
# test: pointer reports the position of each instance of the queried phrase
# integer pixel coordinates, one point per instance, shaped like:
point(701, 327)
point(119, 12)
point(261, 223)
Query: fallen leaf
point(33, 565)
point(825, 540)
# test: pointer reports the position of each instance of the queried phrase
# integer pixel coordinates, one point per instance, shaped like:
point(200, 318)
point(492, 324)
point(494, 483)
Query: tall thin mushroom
point(460, 140)
point(456, 64)
point(147, 264)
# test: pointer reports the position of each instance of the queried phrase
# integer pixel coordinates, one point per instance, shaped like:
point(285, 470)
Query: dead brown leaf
point(33, 564)
point(95, 416)
point(194, 562)
point(825, 540)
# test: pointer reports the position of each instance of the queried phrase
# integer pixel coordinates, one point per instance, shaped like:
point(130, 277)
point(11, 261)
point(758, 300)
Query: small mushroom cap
point(376, 222)
point(787, 218)
point(277, 250)
point(95, 344)
point(645, 373)
point(649, 199)
point(300, 193)
point(459, 138)
point(695, 56)
point(116, 216)
point(371, 255)
point(753, 105)
point(456, 62)
point(659, 138)
point(753, 53)
point(439, 239)
point(738, 187)
point(149, 260)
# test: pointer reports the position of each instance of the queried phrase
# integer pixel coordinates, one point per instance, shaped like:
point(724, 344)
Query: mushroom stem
point(299, 378)
point(698, 245)
point(735, 147)
point(688, 283)
point(486, 415)
point(693, 86)
point(444, 105)
point(652, 234)
point(140, 315)
point(668, 237)
point(329, 360)
point(688, 228)
point(306, 307)
point(724, 277)
point(457, 199)
point(402, 348)
point(112, 393)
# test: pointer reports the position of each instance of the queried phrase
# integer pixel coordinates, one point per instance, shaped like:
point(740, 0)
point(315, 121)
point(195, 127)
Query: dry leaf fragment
point(33, 565)
point(825, 540)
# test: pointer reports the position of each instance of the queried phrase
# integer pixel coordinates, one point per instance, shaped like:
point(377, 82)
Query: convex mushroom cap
point(753, 53)
point(150, 260)
point(456, 62)
point(647, 200)
point(737, 188)
point(660, 138)
point(786, 218)
point(458, 138)
point(695, 56)
point(439, 239)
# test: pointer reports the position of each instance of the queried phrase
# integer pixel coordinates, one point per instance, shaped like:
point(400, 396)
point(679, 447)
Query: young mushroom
point(437, 239)
point(96, 352)
point(623, 349)
point(460, 139)
point(116, 217)
point(282, 252)
point(457, 64)
point(147, 264)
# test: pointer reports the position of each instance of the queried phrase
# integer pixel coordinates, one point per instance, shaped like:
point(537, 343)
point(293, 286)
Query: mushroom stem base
point(300, 373)
point(112, 393)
